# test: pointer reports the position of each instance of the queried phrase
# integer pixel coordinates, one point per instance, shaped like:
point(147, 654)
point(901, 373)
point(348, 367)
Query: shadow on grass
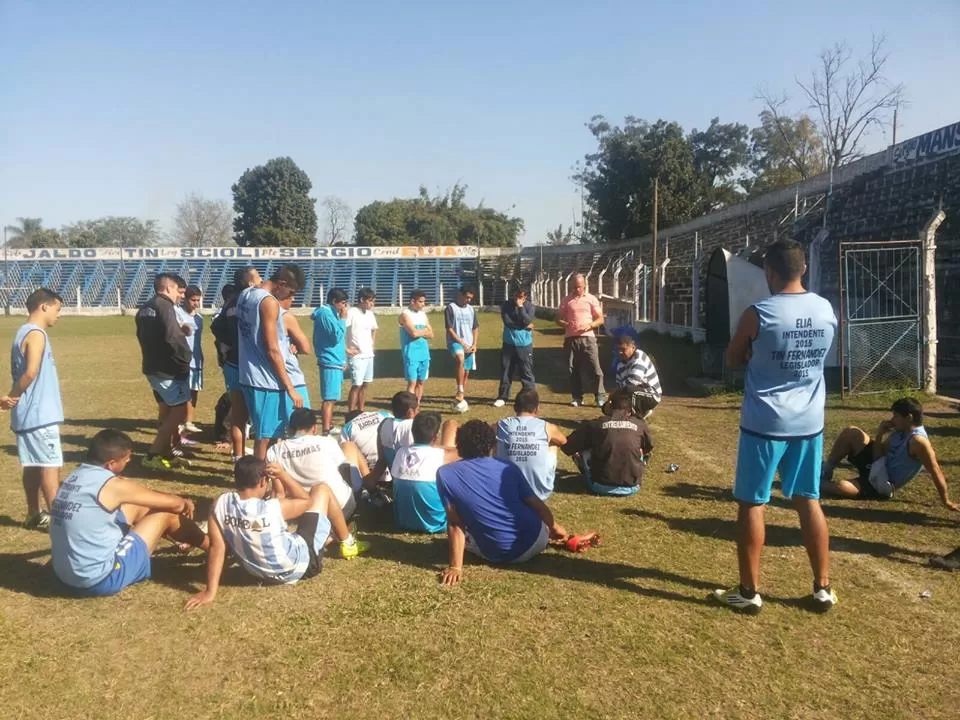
point(777, 536)
point(617, 576)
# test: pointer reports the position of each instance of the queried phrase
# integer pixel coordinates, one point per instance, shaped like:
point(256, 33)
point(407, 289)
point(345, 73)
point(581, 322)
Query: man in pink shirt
point(579, 315)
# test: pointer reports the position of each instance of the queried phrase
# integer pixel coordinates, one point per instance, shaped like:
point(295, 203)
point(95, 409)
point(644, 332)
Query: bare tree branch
point(200, 222)
point(849, 104)
point(337, 221)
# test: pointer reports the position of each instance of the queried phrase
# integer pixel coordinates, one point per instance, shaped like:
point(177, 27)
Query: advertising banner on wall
point(927, 147)
point(290, 254)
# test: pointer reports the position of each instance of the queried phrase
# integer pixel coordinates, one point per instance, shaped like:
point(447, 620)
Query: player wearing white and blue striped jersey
point(463, 333)
point(252, 522)
point(191, 319)
point(37, 411)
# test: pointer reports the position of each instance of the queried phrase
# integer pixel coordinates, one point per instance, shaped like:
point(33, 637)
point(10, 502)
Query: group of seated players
point(485, 485)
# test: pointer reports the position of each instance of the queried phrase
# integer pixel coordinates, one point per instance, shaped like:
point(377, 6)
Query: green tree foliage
point(21, 234)
point(111, 231)
point(697, 173)
point(561, 236)
point(785, 151)
point(439, 220)
point(273, 206)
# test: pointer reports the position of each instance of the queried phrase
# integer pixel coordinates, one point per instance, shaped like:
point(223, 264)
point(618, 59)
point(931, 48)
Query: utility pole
point(896, 109)
point(656, 250)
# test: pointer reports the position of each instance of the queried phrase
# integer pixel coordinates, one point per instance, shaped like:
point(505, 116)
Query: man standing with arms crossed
point(783, 340)
point(267, 390)
point(463, 332)
point(361, 337)
point(329, 342)
point(415, 336)
point(516, 354)
point(580, 315)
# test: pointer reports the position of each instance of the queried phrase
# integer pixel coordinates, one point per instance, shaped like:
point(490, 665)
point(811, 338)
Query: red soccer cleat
point(580, 543)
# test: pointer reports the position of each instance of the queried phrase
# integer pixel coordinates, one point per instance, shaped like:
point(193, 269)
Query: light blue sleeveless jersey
point(414, 349)
point(901, 467)
point(784, 390)
point(291, 361)
point(524, 442)
point(40, 404)
point(84, 536)
point(255, 368)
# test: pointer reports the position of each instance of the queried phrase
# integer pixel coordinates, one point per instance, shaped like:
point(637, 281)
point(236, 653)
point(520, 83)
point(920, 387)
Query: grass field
point(622, 631)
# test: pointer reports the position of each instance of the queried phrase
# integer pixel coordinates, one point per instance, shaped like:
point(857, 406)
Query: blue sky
point(110, 108)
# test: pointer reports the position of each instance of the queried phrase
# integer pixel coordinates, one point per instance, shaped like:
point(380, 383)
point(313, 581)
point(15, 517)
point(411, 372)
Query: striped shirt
point(637, 372)
point(256, 532)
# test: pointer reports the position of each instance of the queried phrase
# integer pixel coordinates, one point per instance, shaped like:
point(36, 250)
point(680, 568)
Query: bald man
point(580, 315)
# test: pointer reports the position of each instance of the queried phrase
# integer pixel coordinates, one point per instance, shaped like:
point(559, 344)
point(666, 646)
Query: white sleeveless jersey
point(256, 532)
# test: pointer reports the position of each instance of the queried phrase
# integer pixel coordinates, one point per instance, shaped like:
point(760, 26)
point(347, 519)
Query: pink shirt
point(579, 312)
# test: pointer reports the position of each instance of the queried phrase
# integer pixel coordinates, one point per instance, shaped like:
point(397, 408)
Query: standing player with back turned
point(783, 340)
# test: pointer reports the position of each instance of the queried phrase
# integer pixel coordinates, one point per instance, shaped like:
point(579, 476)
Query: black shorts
point(307, 529)
point(863, 461)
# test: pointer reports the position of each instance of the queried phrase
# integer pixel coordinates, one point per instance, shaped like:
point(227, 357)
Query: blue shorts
point(40, 447)
point(416, 370)
point(361, 370)
point(195, 380)
point(304, 393)
point(168, 391)
point(331, 384)
point(231, 377)
point(131, 565)
point(269, 411)
point(759, 459)
point(469, 361)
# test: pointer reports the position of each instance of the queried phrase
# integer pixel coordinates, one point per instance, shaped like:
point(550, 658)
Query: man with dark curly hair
point(491, 509)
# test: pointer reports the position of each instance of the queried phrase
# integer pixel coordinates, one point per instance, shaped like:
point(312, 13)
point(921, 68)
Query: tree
point(111, 231)
point(273, 206)
point(200, 222)
point(785, 150)
point(21, 236)
point(561, 236)
point(848, 99)
point(435, 220)
point(720, 155)
point(337, 218)
point(697, 174)
point(47, 238)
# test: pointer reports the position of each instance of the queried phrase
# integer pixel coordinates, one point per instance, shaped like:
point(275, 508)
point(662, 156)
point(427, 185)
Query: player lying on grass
point(416, 503)
point(491, 510)
point(106, 526)
point(886, 462)
point(313, 459)
point(252, 522)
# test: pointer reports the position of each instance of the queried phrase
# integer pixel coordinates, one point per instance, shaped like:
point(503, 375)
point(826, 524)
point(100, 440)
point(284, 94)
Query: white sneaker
point(824, 599)
point(575, 403)
point(499, 402)
point(191, 428)
point(461, 406)
point(733, 599)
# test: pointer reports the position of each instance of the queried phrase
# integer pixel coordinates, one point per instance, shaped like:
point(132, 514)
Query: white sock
point(349, 540)
point(235, 460)
point(460, 389)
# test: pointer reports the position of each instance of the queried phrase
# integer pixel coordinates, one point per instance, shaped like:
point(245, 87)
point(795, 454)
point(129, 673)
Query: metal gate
point(881, 313)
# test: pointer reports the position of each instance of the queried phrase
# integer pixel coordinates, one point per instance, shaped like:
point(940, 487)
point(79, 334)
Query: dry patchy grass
point(623, 631)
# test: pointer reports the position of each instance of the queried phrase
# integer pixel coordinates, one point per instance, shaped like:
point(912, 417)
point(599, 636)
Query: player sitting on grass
point(253, 525)
point(531, 443)
point(491, 509)
point(313, 459)
point(416, 504)
point(394, 433)
point(612, 449)
point(888, 461)
point(636, 373)
point(362, 427)
point(104, 527)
